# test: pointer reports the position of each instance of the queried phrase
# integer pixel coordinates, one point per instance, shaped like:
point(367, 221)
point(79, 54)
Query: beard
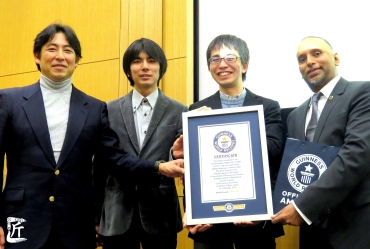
point(315, 82)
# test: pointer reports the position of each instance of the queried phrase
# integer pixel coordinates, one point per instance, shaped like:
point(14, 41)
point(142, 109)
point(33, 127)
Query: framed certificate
point(227, 175)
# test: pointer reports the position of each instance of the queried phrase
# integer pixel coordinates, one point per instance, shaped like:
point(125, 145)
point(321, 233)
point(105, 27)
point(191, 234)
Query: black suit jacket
point(156, 196)
point(340, 199)
point(274, 137)
point(47, 194)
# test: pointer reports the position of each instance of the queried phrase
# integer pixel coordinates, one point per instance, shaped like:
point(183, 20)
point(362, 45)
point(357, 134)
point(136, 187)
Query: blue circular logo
point(224, 141)
point(305, 169)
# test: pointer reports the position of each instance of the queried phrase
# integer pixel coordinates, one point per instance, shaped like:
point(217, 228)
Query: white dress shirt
point(143, 110)
point(326, 91)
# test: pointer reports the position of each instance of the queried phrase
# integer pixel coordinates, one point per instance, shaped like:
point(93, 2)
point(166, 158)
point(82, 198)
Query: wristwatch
point(156, 166)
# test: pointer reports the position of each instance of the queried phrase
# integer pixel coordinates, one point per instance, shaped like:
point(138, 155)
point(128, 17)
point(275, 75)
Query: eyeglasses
point(230, 58)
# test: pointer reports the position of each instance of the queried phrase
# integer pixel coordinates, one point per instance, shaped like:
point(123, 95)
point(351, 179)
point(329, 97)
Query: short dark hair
point(151, 48)
point(232, 42)
point(48, 34)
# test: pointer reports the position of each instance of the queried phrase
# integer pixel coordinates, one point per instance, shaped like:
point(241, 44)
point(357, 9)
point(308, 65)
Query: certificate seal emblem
point(224, 141)
point(229, 207)
point(305, 169)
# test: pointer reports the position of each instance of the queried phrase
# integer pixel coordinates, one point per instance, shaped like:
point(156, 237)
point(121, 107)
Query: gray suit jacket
point(340, 199)
point(155, 195)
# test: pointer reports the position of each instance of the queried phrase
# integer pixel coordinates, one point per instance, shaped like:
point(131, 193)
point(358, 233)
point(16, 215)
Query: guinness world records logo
point(229, 207)
point(224, 141)
point(305, 169)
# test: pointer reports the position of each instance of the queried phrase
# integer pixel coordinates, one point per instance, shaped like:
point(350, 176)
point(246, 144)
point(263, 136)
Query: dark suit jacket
point(275, 145)
point(156, 196)
point(47, 194)
point(340, 199)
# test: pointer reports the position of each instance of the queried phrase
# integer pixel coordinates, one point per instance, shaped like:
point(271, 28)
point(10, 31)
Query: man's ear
point(245, 67)
point(336, 59)
point(37, 58)
point(77, 61)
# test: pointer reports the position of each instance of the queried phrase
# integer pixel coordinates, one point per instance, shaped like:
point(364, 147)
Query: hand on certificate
point(246, 223)
point(203, 108)
point(196, 228)
point(178, 148)
point(178, 145)
point(288, 216)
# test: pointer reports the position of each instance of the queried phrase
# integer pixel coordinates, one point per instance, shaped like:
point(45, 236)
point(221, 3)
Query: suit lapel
point(330, 103)
point(300, 122)
point(250, 99)
point(35, 112)
point(158, 112)
point(78, 112)
point(214, 101)
point(128, 119)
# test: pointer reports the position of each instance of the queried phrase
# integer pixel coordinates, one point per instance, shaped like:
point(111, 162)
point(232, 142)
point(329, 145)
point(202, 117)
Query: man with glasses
point(228, 58)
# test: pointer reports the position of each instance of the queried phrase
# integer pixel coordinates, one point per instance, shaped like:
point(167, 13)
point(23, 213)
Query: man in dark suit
point(49, 132)
point(227, 58)
point(147, 122)
point(337, 205)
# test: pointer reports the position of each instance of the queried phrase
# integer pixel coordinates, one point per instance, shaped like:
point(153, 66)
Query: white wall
point(273, 30)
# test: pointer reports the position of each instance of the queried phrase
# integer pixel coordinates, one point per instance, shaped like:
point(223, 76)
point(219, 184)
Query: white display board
point(273, 29)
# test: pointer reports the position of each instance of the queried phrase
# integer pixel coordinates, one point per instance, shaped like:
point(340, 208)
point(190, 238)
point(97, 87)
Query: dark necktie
point(311, 127)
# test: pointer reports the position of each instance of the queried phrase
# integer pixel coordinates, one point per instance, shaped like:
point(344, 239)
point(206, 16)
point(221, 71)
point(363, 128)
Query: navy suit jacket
point(47, 194)
point(274, 134)
point(156, 196)
point(340, 199)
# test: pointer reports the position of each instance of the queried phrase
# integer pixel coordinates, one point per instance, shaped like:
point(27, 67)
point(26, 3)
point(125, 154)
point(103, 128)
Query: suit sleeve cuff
point(307, 220)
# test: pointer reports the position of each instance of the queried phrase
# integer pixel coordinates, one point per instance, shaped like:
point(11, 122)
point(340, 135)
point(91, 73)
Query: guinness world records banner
point(303, 163)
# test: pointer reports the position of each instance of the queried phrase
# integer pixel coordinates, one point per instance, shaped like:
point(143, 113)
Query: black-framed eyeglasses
point(230, 58)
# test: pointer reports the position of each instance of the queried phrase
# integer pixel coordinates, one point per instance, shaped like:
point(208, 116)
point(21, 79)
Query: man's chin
point(314, 82)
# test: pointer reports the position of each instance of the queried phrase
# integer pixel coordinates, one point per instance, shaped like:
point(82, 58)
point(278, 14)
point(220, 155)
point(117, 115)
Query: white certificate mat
point(226, 166)
point(226, 169)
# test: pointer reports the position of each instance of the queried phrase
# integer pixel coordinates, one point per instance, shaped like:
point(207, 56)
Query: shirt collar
point(137, 98)
point(242, 94)
point(328, 88)
point(49, 84)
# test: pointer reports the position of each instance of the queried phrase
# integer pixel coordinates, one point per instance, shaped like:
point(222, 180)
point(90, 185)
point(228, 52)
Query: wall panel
point(290, 240)
point(175, 30)
point(98, 79)
point(124, 38)
point(178, 46)
point(177, 83)
point(97, 27)
point(18, 80)
point(140, 18)
point(174, 81)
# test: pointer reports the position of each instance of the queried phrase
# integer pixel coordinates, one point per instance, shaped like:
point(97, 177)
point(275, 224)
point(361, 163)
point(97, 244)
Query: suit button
point(57, 172)
point(51, 198)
